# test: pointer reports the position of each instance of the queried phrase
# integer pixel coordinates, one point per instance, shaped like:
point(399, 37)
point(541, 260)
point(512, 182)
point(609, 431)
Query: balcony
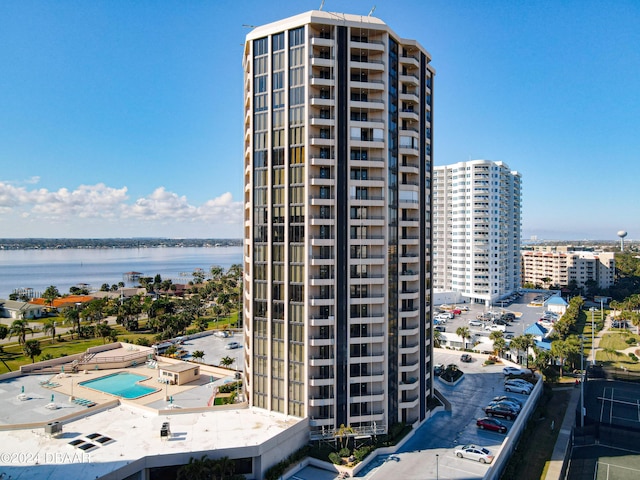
point(321, 402)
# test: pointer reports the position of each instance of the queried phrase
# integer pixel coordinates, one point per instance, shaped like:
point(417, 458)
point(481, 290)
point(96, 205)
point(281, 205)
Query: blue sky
point(124, 118)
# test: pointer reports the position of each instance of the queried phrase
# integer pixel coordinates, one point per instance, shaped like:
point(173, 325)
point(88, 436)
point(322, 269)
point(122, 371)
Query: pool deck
point(120, 433)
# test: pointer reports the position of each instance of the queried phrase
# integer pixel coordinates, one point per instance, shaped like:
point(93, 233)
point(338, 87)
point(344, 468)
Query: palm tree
point(437, 338)
point(32, 349)
point(464, 333)
point(227, 361)
point(198, 355)
point(72, 317)
point(559, 349)
point(49, 325)
point(499, 343)
point(196, 469)
point(20, 329)
point(50, 294)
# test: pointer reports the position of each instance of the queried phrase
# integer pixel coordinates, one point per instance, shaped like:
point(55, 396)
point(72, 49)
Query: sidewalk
point(563, 442)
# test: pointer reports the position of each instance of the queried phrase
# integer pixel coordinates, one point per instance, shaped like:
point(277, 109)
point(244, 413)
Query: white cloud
point(98, 206)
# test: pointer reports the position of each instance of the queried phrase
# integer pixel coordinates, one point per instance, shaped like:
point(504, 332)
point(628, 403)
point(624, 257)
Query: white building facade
point(476, 230)
point(337, 160)
point(562, 266)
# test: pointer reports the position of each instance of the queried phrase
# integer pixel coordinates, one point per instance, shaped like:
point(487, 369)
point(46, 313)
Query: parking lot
point(214, 349)
point(525, 314)
point(430, 452)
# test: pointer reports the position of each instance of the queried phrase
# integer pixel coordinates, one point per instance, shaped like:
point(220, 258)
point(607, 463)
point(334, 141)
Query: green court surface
point(597, 462)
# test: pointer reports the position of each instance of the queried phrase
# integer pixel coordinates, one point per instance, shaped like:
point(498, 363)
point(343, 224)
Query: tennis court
point(612, 433)
point(597, 462)
point(619, 406)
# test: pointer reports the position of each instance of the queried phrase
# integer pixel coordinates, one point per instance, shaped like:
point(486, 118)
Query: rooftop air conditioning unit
point(53, 428)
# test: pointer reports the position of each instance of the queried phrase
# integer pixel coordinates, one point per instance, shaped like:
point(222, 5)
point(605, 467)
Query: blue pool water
point(121, 384)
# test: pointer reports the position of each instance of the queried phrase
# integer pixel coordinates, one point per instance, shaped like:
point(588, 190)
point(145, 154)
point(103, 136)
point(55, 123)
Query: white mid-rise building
point(476, 230)
point(337, 164)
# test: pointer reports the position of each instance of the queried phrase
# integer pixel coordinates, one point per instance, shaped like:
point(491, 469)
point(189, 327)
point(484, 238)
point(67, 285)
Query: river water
point(64, 268)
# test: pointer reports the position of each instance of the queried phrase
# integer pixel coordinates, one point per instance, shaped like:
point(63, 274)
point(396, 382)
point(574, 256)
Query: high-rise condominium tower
point(337, 175)
point(476, 230)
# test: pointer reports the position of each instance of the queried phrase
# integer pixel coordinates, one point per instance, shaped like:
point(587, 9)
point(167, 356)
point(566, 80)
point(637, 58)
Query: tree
point(523, 343)
point(499, 342)
point(437, 338)
point(49, 326)
point(559, 351)
point(20, 329)
point(198, 355)
point(50, 294)
point(32, 349)
point(103, 330)
point(72, 317)
point(4, 331)
point(196, 469)
point(464, 333)
point(227, 361)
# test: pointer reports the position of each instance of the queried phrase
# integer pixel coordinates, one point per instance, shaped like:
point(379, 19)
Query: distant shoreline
point(101, 243)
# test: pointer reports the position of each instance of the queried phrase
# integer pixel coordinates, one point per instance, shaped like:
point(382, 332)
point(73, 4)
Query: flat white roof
point(132, 433)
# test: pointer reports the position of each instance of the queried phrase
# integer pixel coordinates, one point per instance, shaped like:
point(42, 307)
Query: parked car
point(456, 311)
point(466, 358)
point(487, 423)
point(501, 410)
point(440, 328)
point(518, 387)
point(464, 308)
point(499, 321)
point(494, 328)
point(438, 368)
point(443, 317)
point(500, 398)
point(232, 345)
point(475, 323)
point(474, 452)
point(516, 371)
point(506, 404)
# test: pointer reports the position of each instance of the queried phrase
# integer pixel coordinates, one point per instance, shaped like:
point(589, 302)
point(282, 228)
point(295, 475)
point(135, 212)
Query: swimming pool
point(122, 384)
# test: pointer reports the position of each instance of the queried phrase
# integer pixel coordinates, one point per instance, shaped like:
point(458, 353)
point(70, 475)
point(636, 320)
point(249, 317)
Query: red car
point(456, 311)
point(492, 424)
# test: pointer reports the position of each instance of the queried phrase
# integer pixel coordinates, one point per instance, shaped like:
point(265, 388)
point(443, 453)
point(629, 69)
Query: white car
point(517, 388)
point(232, 345)
point(474, 452)
point(475, 322)
point(496, 328)
point(443, 317)
point(516, 371)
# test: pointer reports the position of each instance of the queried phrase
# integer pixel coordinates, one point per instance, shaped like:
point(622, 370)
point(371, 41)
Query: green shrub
point(362, 452)
point(630, 340)
point(335, 458)
point(143, 342)
point(633, 357)
point(344, 452)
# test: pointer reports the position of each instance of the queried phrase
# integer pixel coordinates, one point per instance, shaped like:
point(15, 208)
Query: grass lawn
point(531, 458)
point(615, 341)
point(14, 357)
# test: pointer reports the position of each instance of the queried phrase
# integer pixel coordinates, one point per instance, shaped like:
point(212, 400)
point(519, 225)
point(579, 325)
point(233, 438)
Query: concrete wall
point(511, 441)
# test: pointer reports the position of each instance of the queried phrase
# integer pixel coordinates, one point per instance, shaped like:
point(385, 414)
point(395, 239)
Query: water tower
point(622, 234)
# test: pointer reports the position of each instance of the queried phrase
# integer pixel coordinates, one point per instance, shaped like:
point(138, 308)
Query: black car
point(501, 410)
point(438, 368)
point(466, 358)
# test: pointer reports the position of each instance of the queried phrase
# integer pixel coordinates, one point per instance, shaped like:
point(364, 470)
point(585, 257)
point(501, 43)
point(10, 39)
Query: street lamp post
point(437, 466)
